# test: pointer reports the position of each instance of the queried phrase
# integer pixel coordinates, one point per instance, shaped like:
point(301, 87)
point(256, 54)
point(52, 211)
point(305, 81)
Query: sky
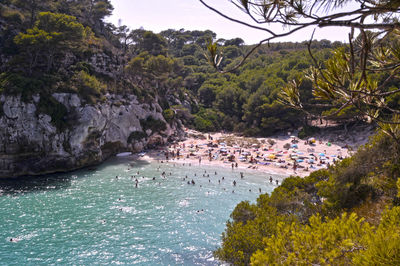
point(159, 15)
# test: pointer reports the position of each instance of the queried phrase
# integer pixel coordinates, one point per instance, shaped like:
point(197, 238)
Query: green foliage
point(331, 242)
point(153, 124)
point(52, 35)
point(136, 135)
point(168, 115)
point(89, 87)
point(311, 226)
point(56, 110)
point(383, 244)
point(208, 120)
point(13, 83)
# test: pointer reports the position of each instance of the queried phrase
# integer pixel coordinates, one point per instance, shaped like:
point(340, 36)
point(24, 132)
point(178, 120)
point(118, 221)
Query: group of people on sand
point(308, 156)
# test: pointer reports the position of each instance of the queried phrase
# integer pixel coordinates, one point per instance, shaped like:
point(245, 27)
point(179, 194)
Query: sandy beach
point(279, 155)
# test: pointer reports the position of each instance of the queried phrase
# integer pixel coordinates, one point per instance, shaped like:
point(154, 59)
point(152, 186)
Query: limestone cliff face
point(30, 144)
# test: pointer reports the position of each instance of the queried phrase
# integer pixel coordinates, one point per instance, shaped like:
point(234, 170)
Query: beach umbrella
point(300, 161)
point(293, 137)
point(294, 146)
point(322, 154)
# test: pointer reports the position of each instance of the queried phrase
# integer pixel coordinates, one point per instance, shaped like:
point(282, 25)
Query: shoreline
point(263, 155)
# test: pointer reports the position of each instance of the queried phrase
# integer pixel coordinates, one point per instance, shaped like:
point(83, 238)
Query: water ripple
point(91, 217)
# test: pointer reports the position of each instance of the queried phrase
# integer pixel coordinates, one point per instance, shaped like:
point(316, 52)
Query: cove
point(91, 217)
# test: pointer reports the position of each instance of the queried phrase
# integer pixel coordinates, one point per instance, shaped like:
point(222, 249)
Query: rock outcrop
point(31, 144)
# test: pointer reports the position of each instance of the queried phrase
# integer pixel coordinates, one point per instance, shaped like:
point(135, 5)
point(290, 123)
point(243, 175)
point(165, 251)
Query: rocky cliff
point(31, 143)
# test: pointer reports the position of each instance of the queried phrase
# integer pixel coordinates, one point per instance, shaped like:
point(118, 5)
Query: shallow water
point(90, 217)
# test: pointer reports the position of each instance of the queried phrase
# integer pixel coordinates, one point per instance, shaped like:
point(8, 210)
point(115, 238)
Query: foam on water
point(91, 217)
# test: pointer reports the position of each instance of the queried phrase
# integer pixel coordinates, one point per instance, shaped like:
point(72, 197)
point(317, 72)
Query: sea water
point(91, 217)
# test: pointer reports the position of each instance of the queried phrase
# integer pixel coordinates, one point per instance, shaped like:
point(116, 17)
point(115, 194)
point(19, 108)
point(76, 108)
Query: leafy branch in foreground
point(363, 75)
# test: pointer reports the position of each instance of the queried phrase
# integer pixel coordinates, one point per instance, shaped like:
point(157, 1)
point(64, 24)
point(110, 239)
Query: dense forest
point(346, 214)
point(53, 46)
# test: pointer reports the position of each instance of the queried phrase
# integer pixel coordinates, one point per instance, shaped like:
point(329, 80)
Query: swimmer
point(116, 177)
point(234, 182)
point(277, 182)
point(270, 179)
point(223, 178)
point(219, 181)
point(215, 172)
point(154, 178)
point(209, 181)
point(259, 189)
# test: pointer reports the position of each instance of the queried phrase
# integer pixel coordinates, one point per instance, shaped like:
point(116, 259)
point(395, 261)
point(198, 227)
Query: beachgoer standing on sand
point(234, 182)
point(199, 159)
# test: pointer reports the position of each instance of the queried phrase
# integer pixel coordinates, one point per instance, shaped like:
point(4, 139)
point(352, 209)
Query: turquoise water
point(90, 217)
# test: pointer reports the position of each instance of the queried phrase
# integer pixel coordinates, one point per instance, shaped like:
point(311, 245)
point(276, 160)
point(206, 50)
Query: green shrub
point(89, 87)
point(168, 115)
point(203, 125)
point(136, 135)
point(154, 124)
point(14, 84)
point(56, 110)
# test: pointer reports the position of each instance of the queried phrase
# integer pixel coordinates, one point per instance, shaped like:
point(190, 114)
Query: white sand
point(190, 154)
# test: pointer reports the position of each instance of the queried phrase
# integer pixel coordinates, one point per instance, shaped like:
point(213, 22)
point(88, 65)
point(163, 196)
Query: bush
point(202, 124)
point(136, 135)
point(252, 132)
point(168, 115)
point(154, 124)
point(56, 110)
point(89, 87)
